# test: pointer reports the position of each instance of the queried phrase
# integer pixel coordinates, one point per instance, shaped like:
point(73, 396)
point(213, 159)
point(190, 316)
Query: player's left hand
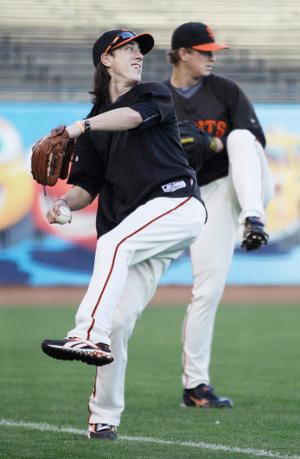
point(197, 144)
point(51, 156)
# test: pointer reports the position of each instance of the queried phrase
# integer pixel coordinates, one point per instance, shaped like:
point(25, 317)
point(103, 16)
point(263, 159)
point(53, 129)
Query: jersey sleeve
point(242, 113)
point(87, 170)
point(155, 105)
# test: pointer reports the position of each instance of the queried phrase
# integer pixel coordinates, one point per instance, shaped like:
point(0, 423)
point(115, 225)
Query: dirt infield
point(38, 296)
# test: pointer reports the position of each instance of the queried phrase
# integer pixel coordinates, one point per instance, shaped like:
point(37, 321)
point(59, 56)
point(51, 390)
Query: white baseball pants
point(245, 192)
point(160, 229)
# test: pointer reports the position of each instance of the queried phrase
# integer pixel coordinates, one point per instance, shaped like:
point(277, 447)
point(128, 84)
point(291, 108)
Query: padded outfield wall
point(37, 254)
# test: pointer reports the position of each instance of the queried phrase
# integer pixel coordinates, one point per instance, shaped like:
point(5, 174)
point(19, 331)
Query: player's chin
point(136, 77)
point(207, 71)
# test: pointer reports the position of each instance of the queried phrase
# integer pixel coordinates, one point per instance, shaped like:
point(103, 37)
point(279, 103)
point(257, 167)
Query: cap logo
point(210, 32)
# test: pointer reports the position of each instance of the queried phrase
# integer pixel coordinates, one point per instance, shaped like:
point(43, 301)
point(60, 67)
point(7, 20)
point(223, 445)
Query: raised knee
point(239, 135)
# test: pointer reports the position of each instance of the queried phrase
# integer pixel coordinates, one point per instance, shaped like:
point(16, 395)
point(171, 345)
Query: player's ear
point(106, 59)
point(184, 54)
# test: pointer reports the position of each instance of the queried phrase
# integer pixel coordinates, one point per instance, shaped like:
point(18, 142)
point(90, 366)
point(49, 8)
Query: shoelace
point(101, 427)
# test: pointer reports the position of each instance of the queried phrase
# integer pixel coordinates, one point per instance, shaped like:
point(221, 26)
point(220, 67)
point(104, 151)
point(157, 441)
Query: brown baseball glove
point(51, 157)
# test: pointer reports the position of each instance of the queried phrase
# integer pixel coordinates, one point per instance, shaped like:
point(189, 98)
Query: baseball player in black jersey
point(127, 154)
point(236, 184)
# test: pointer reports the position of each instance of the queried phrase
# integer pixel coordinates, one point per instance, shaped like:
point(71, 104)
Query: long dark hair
point(100, 91)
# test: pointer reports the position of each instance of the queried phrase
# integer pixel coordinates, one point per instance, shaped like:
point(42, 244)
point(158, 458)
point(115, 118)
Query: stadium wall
point(34, 253)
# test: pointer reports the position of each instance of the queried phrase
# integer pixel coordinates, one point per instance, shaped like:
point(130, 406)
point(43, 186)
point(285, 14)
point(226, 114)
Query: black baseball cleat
point(254, 235)
point(203, 396)
point(78, 349)
point(102, 432)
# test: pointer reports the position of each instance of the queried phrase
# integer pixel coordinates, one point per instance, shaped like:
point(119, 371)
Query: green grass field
point(255, 362)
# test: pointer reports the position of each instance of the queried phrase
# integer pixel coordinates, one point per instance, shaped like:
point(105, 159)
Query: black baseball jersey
point(128, 168)
point(217, 107)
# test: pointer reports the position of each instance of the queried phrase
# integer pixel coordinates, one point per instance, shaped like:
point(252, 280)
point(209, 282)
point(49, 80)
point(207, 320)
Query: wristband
point(87, 126)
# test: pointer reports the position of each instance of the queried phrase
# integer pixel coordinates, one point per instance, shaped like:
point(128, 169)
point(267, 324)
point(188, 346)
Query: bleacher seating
point(45, 45)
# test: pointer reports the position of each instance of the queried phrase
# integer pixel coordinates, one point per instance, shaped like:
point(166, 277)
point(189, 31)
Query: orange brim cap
point(210, 47)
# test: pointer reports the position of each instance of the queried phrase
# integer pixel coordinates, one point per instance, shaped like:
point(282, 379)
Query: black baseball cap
point(195, 35)
point(115, 38)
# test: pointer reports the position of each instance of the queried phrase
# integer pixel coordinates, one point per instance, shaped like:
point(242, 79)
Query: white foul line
point(201, 445)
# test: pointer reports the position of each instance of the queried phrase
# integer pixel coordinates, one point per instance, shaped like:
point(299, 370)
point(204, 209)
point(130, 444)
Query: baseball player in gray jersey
point(236, 185)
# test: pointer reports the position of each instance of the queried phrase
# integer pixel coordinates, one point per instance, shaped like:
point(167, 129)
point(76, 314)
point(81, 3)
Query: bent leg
point(250, 173)
point(161, 226)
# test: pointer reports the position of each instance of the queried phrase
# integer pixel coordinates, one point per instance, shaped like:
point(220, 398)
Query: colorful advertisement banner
point(32, 252)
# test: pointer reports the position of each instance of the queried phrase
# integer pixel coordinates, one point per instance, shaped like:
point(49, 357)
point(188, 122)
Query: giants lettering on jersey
point(217, 128)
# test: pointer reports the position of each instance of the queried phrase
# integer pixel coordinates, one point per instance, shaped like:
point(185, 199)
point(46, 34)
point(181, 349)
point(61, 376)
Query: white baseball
point(65, 215)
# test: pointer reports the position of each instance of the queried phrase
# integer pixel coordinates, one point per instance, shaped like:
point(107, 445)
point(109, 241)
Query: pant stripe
point(115, 255)
point(184, 356)
point(93, 395)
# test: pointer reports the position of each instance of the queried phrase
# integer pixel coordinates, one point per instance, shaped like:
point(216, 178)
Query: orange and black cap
point(195, 35)
point(115, 38)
